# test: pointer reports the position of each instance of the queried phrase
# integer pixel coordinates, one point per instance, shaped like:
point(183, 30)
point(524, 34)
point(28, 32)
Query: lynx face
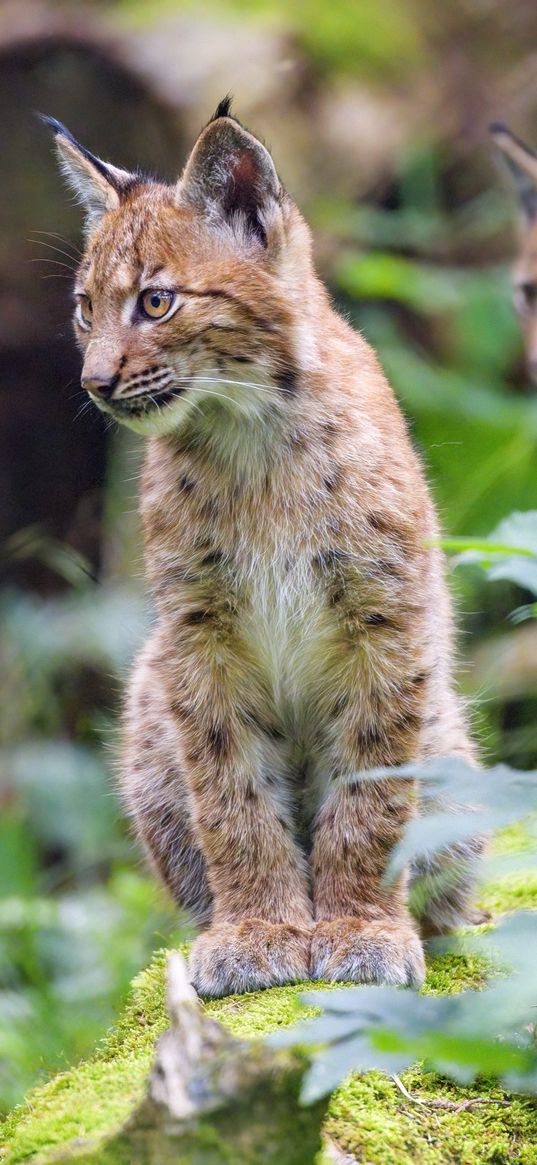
point(521, 162)
point(184, 298)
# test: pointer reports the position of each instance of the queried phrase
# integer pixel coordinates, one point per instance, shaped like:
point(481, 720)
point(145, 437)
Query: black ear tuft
point(521, 164)
point(498, 127)
point(230, 176)
point(223, 108)
point(99, 186)
point(53, 124)
point(60, 131)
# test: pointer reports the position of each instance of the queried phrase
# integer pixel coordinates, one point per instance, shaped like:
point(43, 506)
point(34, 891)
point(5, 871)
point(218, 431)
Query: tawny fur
point(302, 623)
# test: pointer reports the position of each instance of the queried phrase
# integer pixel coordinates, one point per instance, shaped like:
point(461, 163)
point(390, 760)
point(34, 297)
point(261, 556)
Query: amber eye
point(155, 303)
point(85, 311)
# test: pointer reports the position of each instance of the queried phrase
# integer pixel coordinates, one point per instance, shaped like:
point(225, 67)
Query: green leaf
point(509, 553)
point(382, 275)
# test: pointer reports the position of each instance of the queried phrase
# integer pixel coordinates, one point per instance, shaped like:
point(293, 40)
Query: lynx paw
point(384, 951)
point(246, 956)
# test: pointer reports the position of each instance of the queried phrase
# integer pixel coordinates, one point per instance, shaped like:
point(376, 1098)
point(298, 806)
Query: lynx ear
point(522, 166)
point(230, 176)
point(97, 185)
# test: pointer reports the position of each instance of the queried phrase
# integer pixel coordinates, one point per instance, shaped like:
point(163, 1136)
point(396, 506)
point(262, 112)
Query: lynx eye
point(85, 311)
point(155, 304)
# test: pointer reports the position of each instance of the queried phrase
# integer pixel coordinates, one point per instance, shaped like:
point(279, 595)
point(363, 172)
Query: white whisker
point(56, 261)
point(51, 247)
point(219, 396)
point(235, 383)
point(55, 235)
point(178, 395)
point(82, 408)
point(161, 384)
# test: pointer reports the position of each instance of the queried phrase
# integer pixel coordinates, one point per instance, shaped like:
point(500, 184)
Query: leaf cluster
point(475, 1033)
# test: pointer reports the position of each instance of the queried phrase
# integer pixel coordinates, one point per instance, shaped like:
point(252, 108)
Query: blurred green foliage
point(379, 34)
point(447, 336)
point(78, 917)
point(510, 552)
point(417, 270)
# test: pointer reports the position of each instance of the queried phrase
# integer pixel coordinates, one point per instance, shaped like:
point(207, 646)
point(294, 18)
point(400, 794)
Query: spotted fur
point(302, 623)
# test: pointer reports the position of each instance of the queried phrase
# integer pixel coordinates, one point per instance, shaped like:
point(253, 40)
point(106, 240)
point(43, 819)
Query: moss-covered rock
point(368, 1117)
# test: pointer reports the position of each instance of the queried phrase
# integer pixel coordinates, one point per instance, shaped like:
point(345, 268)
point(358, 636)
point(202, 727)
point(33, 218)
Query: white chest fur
point(290, 627)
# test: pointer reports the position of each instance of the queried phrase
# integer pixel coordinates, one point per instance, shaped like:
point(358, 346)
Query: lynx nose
point(100, 385)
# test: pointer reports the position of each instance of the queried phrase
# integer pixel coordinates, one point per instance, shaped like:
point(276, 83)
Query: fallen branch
point(213, 1098)
point(448, 1105)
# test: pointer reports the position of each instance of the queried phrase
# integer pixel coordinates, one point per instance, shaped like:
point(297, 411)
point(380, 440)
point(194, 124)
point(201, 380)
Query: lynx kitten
point(303, 628)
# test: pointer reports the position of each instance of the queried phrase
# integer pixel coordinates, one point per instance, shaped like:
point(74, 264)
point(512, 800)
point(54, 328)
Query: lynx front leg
point(261, 911)
point(363, 930)
point(259, 935)
point(155, 795)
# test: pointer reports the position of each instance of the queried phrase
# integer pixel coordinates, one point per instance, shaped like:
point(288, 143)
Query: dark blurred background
point(377, 114)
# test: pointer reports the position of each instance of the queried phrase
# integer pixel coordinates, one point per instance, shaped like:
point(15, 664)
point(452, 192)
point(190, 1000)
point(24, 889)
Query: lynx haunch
point(302, 630)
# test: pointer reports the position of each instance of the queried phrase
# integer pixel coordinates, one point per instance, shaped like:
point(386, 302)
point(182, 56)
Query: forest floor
point(80, 1111)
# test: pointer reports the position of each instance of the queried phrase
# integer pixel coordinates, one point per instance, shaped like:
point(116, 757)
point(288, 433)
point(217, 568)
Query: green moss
point(447, 974)
point(368, 1116)
point(93, 1100)
point(251, 1016)
point(515, 892)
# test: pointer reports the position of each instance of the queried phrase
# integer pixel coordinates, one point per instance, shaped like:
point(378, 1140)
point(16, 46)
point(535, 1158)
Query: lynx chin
point(302, 626)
